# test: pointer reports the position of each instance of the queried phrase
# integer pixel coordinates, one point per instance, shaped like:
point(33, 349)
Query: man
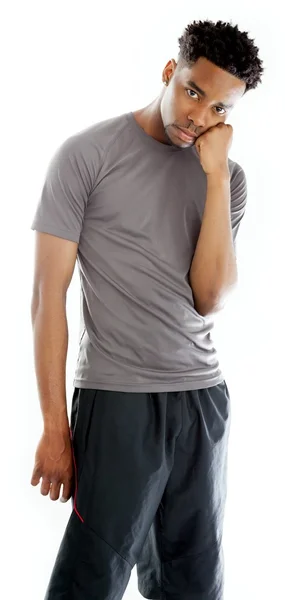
point(149, 204)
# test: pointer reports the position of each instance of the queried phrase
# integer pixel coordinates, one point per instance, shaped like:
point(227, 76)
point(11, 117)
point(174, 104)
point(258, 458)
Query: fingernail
point(63, 499)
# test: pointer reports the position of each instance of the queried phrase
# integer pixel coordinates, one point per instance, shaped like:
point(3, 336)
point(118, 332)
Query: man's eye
point(219, 108)
point(192, 92)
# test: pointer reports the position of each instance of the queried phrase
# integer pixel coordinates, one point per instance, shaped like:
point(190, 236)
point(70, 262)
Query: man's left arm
point(213, 273)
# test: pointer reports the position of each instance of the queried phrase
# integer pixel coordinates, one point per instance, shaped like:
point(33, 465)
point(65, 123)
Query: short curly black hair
point(225, 46)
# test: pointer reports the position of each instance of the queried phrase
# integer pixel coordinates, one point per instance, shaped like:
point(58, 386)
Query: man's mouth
point(185, 134)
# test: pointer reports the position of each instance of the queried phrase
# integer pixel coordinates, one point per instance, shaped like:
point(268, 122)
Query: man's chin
point(182, 144)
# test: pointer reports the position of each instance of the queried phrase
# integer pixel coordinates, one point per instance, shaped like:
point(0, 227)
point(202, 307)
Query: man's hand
point(54, 464)
point(213, 147)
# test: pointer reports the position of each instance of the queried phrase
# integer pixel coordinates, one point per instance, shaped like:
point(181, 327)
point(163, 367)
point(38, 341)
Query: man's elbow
point(211, 303)
point(208, 305)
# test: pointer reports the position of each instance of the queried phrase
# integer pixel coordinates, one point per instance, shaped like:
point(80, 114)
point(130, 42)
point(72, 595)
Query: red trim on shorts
point(75, 473)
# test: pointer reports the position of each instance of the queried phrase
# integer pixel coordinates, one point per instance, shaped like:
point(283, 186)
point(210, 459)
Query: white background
point(67, 65)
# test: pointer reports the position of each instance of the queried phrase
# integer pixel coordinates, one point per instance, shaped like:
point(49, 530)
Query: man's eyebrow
point(194, 85)
point(223, 105)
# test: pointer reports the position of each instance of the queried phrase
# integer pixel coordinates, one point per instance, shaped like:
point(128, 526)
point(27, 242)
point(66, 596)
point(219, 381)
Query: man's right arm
point(54, 266)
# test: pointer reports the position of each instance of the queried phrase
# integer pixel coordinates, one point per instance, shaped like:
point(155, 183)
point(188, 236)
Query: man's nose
point(197, 119)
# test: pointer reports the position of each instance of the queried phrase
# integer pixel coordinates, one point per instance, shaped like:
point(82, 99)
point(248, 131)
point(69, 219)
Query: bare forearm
point(50, 352)
point(213, 269)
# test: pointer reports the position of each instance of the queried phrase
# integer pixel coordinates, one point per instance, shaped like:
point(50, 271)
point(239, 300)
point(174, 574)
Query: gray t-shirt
point(135, 206)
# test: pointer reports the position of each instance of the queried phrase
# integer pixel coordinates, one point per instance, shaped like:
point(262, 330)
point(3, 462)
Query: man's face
point(197, 98)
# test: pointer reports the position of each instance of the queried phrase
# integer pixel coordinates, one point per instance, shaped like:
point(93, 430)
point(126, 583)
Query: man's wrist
point(220, 175)
point(55, 425)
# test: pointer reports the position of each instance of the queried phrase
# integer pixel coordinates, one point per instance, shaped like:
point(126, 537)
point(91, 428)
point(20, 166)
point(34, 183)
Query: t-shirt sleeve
point(238, 200)
point(69, 180)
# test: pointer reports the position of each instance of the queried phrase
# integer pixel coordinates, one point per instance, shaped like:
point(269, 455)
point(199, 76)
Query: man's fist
point(213, 147)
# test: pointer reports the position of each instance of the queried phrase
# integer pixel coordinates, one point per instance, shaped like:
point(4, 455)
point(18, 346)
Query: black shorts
point(150, 491)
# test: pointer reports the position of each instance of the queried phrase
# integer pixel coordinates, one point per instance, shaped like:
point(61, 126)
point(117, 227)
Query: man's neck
point(149, 118)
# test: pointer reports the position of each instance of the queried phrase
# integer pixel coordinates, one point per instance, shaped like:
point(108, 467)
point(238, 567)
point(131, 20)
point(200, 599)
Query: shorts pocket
point(83, 402)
